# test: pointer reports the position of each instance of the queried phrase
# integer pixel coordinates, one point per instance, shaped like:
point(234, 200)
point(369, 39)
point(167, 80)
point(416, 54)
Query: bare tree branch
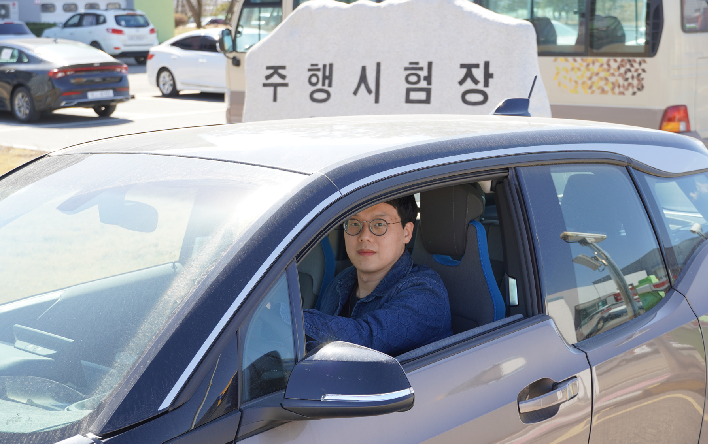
point(195, 8)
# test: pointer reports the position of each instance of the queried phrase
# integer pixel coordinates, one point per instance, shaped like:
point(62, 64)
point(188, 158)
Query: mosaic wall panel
point(621, 77)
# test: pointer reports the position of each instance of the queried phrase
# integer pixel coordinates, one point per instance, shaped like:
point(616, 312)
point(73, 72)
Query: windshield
point(14, 29)
point(96, 253)
point(132, 21)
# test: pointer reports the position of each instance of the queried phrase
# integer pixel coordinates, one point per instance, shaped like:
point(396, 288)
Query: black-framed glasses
point(378, 227)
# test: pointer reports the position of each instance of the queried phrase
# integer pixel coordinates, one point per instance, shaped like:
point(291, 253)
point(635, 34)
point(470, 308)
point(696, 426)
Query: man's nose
point(366, 232)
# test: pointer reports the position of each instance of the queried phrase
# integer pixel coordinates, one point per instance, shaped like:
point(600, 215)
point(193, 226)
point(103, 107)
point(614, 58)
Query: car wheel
point(23, 106)
point(140, 60)
point(104, 110)
point(96, 45)
point(166, 83)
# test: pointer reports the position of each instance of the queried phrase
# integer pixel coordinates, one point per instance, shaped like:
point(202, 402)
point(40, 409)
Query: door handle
point(174, 57)
point(562, 391)
point(202, 60)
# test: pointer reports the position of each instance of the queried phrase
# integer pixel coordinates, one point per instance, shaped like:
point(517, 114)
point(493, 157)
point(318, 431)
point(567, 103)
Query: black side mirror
point(226, 42)
point(340, 380)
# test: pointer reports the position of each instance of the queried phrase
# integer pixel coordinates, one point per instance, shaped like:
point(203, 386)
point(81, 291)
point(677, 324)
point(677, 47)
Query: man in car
point(383, 301)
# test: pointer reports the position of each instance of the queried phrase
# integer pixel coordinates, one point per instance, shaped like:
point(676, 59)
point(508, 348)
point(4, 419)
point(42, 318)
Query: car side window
point(11, 55)
point(188, 43)
point(599, 260)
point(268, 346)
point(88, 20)
point(73, 21)
point(208, 44)
point(680, 205)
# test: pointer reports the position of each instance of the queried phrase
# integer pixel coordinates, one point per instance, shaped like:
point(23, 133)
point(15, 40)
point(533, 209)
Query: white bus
point(637, 62)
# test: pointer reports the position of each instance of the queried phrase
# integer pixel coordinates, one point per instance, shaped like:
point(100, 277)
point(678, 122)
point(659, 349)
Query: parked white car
point(13, 29)
point(118, 32)
point(188, 61)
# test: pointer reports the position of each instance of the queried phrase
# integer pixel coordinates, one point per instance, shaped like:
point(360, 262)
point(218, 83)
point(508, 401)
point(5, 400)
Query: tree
point(195, 8)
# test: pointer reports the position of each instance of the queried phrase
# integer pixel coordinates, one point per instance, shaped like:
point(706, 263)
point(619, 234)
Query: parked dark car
point(152, 285)
point(41, 75)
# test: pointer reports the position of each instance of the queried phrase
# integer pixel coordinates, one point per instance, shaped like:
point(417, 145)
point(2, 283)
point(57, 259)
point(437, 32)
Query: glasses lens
point(378, 227)
point(352, 226)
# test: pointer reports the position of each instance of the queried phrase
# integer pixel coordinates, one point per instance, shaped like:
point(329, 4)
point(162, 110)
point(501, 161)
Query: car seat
point(453, 242)
point(545, 31)
point(315, 272)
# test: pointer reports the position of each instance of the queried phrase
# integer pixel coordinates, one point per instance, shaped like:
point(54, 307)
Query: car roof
point(318, 145)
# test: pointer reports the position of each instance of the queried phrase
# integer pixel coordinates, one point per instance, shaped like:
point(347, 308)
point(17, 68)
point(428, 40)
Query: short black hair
point(406, 207)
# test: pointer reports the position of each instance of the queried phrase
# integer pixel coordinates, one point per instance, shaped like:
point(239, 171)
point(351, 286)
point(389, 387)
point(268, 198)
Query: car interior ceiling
point(475, 269)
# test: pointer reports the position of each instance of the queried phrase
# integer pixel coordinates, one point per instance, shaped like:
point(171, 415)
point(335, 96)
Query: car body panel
point(448, 393)
point(653, 368)
point(378, 138)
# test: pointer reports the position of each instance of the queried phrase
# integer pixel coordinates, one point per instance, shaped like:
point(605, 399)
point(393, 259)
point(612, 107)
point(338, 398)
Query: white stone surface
point(442, 34)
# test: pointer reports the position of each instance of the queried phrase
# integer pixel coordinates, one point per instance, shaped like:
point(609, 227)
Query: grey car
point(153, 284)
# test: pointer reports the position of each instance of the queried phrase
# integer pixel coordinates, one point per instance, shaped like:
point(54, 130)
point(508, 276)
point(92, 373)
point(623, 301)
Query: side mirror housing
point(226, 42)
point(343, 380)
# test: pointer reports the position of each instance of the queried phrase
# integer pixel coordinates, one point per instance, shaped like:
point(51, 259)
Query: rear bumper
point(132, 54)
point(66, 102)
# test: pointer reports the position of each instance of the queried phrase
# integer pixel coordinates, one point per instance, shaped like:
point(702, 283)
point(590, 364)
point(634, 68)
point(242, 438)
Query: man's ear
point(408, 232)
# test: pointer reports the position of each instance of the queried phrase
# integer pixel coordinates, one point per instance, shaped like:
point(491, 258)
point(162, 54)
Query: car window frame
point(609, 335)
point(78, 22)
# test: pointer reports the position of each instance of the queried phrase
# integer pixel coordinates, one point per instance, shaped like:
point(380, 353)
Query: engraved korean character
point(416, 74)
point(364, 81)
point(469, 95)
point(320, 76)
point(275, 71)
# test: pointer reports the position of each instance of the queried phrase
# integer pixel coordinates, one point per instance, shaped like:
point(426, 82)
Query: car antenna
point(517, 106)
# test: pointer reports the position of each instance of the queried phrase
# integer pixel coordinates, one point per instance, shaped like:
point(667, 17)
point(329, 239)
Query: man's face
point(373, 255)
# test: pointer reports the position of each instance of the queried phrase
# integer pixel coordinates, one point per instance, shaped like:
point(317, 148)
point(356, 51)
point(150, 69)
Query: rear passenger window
point(680, 207)
point(188, 43)
point(598, 256)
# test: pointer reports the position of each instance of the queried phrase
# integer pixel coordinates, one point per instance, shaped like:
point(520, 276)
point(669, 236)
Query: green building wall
point(162, 14)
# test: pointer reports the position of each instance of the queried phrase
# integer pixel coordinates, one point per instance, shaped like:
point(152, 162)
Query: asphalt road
point(149, 111)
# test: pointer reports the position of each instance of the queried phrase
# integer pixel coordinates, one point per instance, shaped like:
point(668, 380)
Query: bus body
point(636, 62)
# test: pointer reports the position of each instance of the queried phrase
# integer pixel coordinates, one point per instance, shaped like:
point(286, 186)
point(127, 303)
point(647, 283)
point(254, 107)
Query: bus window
point(558, 23)
point(618, 26)
point(255, 23)
point(695, 15)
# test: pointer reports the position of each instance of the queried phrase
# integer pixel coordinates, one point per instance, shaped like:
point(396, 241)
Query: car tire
point(104, 110)
point(166, 82)
point(23, 106)
point(140, 60)
point(96, 45)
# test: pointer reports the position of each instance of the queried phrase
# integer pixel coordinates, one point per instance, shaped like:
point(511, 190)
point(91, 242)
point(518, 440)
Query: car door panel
point(644, 371)
point(473, 395)
point(693, 284)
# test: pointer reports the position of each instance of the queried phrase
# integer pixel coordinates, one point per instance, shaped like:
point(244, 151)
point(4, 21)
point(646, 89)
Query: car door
point(71, 28)
point(212, 64)
point(184, 60)
point(679, 208)
point(607, 287)
point(489, 384)
point(87, 28)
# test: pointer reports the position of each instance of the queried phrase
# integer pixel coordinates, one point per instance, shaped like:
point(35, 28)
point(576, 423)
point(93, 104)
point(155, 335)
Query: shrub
point(37, 27)
point(180, 19)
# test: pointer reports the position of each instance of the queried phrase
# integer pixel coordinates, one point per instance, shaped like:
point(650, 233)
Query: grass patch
point(13, 157)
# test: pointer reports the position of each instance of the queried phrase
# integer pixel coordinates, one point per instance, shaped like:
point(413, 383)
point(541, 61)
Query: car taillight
point(63, 72)
point(675, 119)
point(59, 73)
point(115, 31)
point(150, 56)
point(152, 31)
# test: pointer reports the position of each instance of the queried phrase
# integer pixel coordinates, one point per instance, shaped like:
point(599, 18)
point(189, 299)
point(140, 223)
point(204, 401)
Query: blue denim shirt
point(408, 309)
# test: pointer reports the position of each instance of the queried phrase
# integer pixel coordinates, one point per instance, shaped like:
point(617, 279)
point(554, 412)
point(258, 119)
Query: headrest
point(445, 214)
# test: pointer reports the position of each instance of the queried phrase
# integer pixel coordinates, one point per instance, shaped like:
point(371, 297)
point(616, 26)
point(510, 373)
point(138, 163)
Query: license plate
point(135, 38)
point(102, 94)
